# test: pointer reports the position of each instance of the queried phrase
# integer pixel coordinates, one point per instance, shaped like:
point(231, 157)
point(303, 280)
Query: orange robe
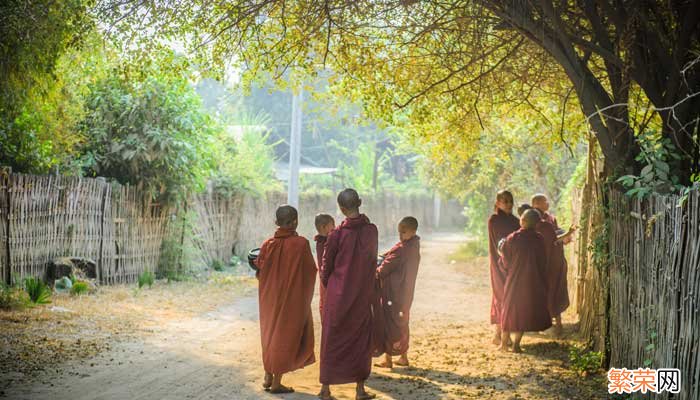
point(398, 274)
point(286, 286)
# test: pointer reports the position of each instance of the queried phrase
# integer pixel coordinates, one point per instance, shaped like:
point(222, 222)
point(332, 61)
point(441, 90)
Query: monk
point(349, 267)
point(286, 280)
point(558, 300)
point(500, 224)
point(324, 225)
point(397, 274)
point(525, 290)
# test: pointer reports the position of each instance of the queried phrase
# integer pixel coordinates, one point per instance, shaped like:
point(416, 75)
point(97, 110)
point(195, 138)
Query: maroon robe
point(558, 290)
point(398, 274)
point(525, 292)
point(320, 246)
point(286, 286)
point(349, 268)
point(500, 226)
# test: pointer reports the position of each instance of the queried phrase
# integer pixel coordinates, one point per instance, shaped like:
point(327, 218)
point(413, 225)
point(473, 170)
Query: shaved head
point(529, 219)
point(323, 220)
point(349, 200)
point(537, 198)
point(410, 223)
point(286, 216)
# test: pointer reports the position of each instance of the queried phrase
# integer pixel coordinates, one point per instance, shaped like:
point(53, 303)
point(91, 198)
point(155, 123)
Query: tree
point(450, 64)
point(34, 35)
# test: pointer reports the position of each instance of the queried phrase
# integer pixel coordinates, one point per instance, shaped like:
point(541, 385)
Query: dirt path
point(216, 355)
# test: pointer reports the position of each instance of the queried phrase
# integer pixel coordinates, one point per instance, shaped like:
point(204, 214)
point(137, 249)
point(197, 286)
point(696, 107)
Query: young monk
point(348, 273)
point(324, 225)
point(500, 224)
point(287, 276)
point(397, 275)
point(525, 291)
point(558, 300)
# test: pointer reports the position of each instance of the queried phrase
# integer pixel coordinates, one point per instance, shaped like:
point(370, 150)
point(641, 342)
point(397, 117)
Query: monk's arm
point(329, 253)
point(390, 264)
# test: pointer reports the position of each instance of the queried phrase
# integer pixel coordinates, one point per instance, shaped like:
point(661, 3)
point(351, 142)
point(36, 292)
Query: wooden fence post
point(5, 181)
point(100, 261)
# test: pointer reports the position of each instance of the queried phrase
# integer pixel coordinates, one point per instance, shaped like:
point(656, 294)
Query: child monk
point(500, 224)
point(398, 274)
point(558, 300)
point(525, 291)
point(287, 276)
point(324, 225)
point(348, 273)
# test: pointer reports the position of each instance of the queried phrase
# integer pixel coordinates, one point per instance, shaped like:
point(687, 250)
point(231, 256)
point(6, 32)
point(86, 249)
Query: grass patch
point(13, 297)
point(146, 278)
point(585, 362)
point(471, 249)
point(38, 291)
point(79, 287)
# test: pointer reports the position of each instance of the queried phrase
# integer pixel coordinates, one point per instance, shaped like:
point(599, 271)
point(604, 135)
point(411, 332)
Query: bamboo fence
point(124, 232)
point(654, 290)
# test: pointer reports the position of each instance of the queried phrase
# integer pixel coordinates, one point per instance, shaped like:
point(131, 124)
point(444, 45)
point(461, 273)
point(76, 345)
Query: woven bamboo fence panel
point(217, 226)
point(654, 275)
point(135, 232)
point(50, 217)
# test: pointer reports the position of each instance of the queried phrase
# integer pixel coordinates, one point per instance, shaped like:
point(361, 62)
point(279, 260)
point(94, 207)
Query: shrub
point(12, 297)
point(38, 291)
point(79, 287)
point(585, 362)
point(146, 278)
point(217, 265)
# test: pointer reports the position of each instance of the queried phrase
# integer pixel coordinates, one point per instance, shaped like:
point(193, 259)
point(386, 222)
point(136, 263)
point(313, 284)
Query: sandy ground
point(212, 351)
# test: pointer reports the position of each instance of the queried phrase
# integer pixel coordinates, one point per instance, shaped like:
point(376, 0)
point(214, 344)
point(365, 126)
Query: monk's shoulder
point(299, 240)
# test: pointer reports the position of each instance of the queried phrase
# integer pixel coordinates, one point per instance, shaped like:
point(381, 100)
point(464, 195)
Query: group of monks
point(528, 269)
point(364, 307)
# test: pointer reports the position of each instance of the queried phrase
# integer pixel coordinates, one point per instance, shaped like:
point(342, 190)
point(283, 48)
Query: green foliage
point(585, 362)
point(244, 158)
point(13, 297)
point(148, 129)
point(146, 278)
point(657, 156)
point(38, 291)
point(235, 260)
point(79, 288)
point(217, 265)
point(35, 124)
point(470, 250)
point(178, 253)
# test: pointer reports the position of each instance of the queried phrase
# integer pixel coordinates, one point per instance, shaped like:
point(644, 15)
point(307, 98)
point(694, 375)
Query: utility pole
point(295, 149)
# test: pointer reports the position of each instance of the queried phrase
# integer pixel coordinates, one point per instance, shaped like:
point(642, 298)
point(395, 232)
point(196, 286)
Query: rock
point(60, 309)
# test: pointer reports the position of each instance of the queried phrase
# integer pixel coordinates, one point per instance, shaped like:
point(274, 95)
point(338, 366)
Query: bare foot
point(517, 349)
point(496, 340)
point(281, 389)
point(325, 395)
point(384, 364)
point(365, 396)
point(503, 348)
point(402, 362)
point(267, 381)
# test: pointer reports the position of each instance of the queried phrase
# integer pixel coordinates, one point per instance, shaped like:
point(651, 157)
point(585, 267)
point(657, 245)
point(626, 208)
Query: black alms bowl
point(252, 255)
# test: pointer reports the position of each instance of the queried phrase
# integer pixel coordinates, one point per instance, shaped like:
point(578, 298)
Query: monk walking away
point(324, 225)
point(500, 224)
point(397, 274)
point(557, 268)
point(286, 280)
point(348, 273)
point(525, 290)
